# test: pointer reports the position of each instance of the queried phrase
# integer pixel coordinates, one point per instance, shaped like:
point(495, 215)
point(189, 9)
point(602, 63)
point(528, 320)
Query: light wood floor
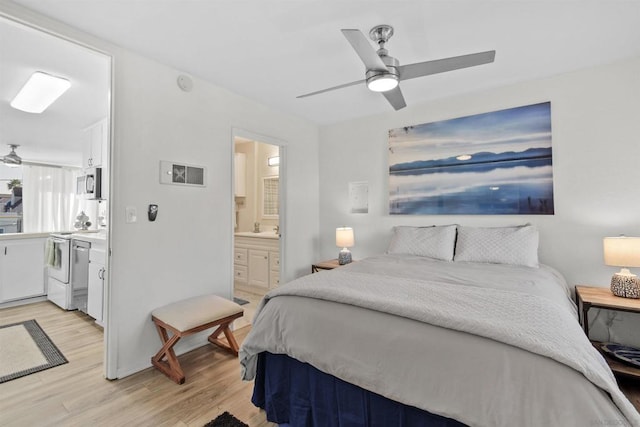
point(76, 394)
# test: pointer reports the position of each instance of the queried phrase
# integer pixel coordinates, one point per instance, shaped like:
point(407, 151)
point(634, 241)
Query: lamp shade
point(622, 251)
point(344, 237)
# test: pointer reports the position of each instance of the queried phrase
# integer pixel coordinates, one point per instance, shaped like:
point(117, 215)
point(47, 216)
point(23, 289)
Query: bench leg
point(232, 347)
point(171, 367)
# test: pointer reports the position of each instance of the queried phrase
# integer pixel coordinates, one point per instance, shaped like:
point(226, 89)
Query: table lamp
point(623, 252)
point(344, 240)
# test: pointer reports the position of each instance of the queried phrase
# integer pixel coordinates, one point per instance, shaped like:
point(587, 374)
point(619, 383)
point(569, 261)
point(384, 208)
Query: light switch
point(131, 214)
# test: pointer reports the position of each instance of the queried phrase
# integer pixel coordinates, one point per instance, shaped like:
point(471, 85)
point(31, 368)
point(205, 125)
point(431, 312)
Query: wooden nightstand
point(588, 297)
point(324, 265)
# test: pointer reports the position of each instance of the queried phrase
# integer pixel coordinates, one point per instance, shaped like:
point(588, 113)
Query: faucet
point(276, 229)
point(256, 227)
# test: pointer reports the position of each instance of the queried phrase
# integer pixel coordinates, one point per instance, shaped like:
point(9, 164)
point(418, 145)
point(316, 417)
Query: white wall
point(187, 251)
point(596, 148)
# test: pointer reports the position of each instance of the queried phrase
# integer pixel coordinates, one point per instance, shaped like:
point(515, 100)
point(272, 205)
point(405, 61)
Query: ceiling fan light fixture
point(12, 159)
point(382, 82)
point(39, 92)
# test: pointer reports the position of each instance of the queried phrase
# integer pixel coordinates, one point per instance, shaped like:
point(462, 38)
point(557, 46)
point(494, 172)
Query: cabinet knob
point(265, 257)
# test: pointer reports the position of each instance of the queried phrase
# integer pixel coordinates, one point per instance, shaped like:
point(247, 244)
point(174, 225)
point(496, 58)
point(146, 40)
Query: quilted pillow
point(499, 245)
point(432, 242)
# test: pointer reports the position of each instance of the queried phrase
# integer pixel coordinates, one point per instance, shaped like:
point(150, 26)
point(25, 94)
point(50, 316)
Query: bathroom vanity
point(256, 260)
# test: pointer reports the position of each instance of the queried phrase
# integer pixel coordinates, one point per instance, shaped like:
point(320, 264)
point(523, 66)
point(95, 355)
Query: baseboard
point(23, 301)
point(127, 371)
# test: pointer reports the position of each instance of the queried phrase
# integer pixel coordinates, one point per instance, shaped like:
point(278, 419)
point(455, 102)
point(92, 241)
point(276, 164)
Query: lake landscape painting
point(496, 163)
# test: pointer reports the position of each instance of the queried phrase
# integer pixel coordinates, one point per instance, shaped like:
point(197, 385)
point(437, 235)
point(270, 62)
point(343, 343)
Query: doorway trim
point(282, 198)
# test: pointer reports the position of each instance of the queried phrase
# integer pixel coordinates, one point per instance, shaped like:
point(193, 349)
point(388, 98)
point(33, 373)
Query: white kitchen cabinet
point(94, 145)
point(22, 269)
point(97, 277)
point(97, 271)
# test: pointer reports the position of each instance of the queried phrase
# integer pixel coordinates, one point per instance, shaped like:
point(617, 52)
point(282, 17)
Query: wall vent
point(182, 174)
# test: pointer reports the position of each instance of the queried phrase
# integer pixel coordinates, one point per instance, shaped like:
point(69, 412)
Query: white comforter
point(409, 328)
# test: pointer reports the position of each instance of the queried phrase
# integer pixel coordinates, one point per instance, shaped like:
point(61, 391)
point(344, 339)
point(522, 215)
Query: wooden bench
point(188, 317)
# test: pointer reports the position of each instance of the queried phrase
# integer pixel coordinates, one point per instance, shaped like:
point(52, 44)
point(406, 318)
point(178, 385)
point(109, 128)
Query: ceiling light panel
point(40, 91)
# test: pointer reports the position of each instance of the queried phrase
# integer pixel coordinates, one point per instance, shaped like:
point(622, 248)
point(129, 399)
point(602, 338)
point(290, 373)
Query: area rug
point(630, 355)
point(225, 420)
point(25, 349)
point(240, 301)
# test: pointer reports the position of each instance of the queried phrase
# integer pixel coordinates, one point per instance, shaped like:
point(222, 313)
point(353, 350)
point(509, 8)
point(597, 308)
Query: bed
point(452, 326)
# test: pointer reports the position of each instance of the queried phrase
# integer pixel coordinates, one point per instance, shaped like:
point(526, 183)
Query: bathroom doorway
point(257, 219)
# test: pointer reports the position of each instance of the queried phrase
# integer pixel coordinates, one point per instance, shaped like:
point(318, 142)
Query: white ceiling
point(272, 51)
point(54, 136)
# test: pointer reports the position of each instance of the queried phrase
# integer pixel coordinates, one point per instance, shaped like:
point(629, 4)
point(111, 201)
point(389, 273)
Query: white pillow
point(432, 242)
point(499, 245)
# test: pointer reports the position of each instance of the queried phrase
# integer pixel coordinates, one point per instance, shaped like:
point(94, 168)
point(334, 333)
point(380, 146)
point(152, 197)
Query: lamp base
point(344, 256)
point(626, 286)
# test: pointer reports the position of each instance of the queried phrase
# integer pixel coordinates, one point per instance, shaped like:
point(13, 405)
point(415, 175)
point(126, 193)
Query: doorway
point(257, 219)
point(66, 142)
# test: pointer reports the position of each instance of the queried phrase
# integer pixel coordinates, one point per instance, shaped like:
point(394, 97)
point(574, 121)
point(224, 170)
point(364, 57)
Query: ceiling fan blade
point(420, 69)
point(331, 88)
point(365, 51)
point(395, 98)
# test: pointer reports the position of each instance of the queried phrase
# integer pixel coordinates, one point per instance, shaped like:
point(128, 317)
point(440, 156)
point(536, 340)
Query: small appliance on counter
point(82, 221)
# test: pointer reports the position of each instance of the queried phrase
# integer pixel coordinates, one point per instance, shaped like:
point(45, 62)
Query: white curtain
point(49, 199)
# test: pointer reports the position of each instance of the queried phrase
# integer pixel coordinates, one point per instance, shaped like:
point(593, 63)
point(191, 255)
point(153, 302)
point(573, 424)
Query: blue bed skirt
point(296, 394)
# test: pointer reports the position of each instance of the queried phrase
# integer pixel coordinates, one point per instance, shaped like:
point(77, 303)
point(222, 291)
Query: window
point(270, 201)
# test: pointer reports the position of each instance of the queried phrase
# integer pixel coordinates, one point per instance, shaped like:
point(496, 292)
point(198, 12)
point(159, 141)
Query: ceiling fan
point(384, 72)
point(12, 159)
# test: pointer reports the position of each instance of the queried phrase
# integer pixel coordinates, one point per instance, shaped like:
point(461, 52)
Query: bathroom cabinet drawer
point(240, 256)
point(240, 273)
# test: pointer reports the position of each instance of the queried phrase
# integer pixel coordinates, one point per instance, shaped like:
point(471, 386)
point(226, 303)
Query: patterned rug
point(25, 349)
point(225, 420)
point(630, 355)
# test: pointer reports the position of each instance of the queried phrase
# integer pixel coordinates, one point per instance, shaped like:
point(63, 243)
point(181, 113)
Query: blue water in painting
point(475, 189)
point(516, 200)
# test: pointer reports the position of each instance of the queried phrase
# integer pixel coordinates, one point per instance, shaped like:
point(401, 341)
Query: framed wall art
point(490, 163)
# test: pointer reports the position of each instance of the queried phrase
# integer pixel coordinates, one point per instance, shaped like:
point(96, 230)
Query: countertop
point(261, 235)
point(96, 237)
point(19, 236)
point(88, 235)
